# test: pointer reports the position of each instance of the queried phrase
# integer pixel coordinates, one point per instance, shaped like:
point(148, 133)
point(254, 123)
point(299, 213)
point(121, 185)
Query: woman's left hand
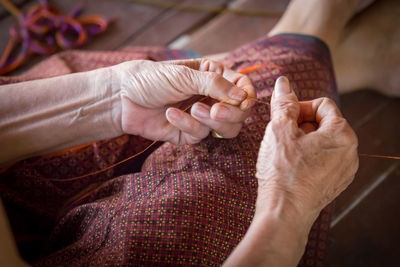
point(154, 94)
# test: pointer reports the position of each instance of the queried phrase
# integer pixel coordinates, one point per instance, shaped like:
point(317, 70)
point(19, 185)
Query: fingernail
point(237, 94)
point(173, 114)
point(201, 111)
point(282, 86)
point(245, 105)
point(223, 112)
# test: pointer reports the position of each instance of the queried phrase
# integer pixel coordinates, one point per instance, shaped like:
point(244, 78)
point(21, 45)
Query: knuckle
point(213, 80)
point(328, 101)
point(216, 67)
point(194, 140)
point(355, 166)
point(348, 135)
point(204, 64)
point(200, 131)
point(245, 79)
point(347, 182)
point(282, 122)
point(338, 123)
point(352, 138)
point(231, 131)
point(211, 66)
point(193, 126)
point(275, 125)
point(235, 115)
point(214, 77)
point(281, 127)
point(286, 107)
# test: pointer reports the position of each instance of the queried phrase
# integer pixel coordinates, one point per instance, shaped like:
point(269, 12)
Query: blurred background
point(365, 227)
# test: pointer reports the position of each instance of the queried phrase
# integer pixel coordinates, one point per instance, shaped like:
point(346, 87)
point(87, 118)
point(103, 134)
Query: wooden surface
point(366, 223)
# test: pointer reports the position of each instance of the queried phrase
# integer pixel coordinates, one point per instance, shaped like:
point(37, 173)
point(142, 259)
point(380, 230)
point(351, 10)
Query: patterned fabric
point(188, 205)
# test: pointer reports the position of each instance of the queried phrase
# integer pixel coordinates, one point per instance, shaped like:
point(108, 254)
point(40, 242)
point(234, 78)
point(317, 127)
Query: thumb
point(284, 102)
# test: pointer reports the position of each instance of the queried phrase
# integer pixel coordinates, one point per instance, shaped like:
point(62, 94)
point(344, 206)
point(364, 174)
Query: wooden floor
point(365, 227)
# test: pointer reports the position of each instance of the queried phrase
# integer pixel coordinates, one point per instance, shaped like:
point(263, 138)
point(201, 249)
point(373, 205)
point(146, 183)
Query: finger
point(238, 79)
point(307, 127)
point(227, 113)
point(335, 132)
point(187, 124)
point(325, 110)
point(284, 102)
point(216, 86)
point(317, 109)
point(328, 116)
point(202, 113)
point(331, 124)
point(227, 130)
point(244, 83)
point(307, 113)
point(223, 83)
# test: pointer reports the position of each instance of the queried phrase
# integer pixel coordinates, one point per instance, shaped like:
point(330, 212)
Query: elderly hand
point(155, 92)
point(308, 155)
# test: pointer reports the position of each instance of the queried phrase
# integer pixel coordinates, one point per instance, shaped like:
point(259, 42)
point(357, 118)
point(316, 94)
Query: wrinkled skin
point(309, 152)
point(154, 94)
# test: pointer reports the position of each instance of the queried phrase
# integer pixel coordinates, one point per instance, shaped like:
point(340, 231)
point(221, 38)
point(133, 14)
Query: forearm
point(277, 236)
point(47, 115)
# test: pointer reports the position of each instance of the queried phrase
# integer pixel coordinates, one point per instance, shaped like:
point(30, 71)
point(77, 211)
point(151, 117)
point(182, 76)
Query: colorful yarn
point(43, 30)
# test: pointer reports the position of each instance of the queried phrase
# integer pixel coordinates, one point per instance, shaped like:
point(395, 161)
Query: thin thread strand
point(242, 71)
point(259, 101)
point(378, 156)
point(130, 157)
point(146, 148)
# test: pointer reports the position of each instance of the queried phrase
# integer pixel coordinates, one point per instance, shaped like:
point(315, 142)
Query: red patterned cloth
point(187, 205)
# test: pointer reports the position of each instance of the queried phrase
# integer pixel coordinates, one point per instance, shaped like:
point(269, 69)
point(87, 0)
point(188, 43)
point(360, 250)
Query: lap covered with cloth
point(172, 205)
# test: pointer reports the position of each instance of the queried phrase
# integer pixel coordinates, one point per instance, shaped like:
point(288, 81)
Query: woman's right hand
point(308, 155)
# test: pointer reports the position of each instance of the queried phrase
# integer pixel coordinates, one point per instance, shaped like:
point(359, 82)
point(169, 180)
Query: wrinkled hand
point(309, 152)
point(153, 94)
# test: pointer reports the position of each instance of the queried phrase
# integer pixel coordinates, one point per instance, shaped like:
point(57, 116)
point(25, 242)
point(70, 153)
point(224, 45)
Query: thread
point(130, 157)
point(242, 71)
point(378, 156)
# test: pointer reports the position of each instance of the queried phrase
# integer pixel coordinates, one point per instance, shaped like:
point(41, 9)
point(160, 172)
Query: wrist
point(283, 202)
point(276, 208)
point(108, 100)
point(131, 115)
point(126, 78)
point(78, 108)
point(284, 241)
point(277, 235)
point(114, 96)
point(285, 226)
point(290, 221)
